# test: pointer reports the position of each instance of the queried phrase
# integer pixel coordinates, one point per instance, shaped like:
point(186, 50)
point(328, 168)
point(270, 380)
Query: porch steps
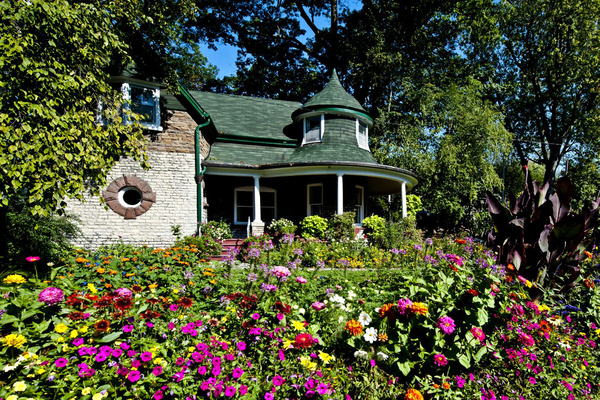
point(228, 245)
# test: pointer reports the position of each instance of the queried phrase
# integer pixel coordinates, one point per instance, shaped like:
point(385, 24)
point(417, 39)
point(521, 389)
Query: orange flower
point(112, 272)
point(473, 292)
point(382, 337)
point(137, 289)
point(100, 270)
point(213, 281)
point(129, 275)
point(436, 386)
point(81, 260)
point(419, 308)
point(386, 310)
point(354, 327)
point(152, 286)
point(413, 394)
point(589, 283)
point(510, 267)
point(587, 253)
point(108, 285)
point(461, 241)
point(446, 385)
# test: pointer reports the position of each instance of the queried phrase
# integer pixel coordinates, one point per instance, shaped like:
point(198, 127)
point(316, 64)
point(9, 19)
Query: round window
point(130, 196)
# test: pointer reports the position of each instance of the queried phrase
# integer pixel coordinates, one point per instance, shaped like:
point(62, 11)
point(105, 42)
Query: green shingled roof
point(334, 95)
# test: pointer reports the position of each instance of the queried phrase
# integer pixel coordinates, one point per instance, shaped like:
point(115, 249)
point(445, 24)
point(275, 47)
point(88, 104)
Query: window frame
point(127, 90)
point(262, 206)
point(360, 212)
point(321, 128)
point(309, 204)
point(364, 137)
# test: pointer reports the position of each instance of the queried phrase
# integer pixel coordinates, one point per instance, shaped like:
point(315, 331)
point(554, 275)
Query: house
point(241, 159)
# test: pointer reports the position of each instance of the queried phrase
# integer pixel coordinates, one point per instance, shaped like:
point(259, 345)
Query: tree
point(544, 60)
point(53, 56)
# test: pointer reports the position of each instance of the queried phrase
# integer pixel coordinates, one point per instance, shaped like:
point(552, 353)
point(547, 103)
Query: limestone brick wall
point(178, 135)
point(171, 179)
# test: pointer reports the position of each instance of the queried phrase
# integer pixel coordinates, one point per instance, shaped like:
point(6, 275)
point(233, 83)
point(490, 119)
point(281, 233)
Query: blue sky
point(224, 57)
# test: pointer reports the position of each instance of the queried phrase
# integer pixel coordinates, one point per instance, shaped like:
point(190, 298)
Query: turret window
point(362, 134)
point(313, 129)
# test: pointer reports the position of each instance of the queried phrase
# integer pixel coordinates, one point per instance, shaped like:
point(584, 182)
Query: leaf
point(482, 316)
point(404, 367)
point(482, 351)
point(8, 319)
point(465, 360)
point(110, 337)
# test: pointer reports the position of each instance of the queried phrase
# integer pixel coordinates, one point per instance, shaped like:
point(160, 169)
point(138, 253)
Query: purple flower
point(133, 376)
point(61, 362)
point(146, 356)
point(230, 391)
point(317, 305)
point(253, 253)
point(278, 380)
point(51, 296)
point(300, 279)
point(323, 388)
point(268, 288)
point(157, 370)
point(241, 346)
point(127, 328)
point(237, 373)
point(446, 325)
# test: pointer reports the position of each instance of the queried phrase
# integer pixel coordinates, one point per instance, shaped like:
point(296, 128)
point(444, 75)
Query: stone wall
point(167, 192)
point(171, 179)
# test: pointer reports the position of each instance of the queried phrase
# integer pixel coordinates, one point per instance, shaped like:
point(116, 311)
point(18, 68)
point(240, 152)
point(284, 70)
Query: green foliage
point(47, 237)
point(313, 227)
point(206, 245)
point(374, 228)
point(53, 55)
point(413, 205)
point(540, 235)
point(341, 227)
point(401, 234)
point(281, 226)
point(218, 230)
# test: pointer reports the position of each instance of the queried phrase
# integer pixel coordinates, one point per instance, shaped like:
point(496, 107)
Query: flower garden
point(438, 318)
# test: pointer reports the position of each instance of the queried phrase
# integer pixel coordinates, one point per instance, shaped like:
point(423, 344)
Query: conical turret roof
point(333, 96)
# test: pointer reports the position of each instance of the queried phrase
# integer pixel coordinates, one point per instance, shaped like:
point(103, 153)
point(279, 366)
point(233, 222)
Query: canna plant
point(540, 236)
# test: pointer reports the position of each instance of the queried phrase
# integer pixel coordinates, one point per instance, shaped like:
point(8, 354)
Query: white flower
point(382, 356)
point(351, 294)
point(9, 368)
point(295, 306)
point(341, 319)
point(371, 335)
point(361, 354)
point(302, 311)
point(336, 298)
point(364, 318)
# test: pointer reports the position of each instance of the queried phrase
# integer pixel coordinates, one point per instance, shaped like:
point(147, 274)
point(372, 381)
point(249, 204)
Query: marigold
point(382, 337)
point(354, 327)
point(387, 311)
point(413, 394)
point(101, 270)
point(14, 340)
point(446, 385)
point(589, 283)
point(419, 308)
point(81, 260)
point(16, 279)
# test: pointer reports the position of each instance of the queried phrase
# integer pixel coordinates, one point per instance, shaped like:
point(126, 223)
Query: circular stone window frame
point(113, 196)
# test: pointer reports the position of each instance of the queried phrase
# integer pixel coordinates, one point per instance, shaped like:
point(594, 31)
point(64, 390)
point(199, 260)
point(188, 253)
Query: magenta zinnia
point(446, 325)
point(440, 360)
point(303, 341)
point(478, 333)
point(51, 296)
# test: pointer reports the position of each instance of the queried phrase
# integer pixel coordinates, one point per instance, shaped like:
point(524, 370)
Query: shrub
point(313, 227)
point(281, 226)
point(341, 227)
point(401, 234)
point(205, 244)
point(374, 229)
point(218, 230)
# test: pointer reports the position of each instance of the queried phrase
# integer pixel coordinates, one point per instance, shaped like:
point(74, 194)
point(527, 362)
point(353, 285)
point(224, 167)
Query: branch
point(306, 17)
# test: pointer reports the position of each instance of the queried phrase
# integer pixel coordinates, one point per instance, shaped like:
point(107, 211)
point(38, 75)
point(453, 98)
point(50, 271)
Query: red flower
point(283, 308)
point(123, 303)
point(102, 325)
point(304, 341)
point(185, 302)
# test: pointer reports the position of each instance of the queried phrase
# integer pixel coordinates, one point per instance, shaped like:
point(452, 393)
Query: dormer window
point(145, 102)
point(313, 129)
point(362, 134)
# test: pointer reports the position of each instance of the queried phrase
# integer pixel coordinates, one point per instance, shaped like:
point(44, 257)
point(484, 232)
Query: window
point(313, 129)
point(360, 205)
point(244, 205)
point(144, 101)
point(315, 199)
point(362, 134)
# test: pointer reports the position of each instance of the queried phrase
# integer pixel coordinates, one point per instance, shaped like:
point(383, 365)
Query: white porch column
point(404, 212)
point(340, 194)
point(258, 226)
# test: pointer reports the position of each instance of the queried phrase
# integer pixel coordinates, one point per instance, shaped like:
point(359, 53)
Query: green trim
point(193, 101)
point(231, 138)
point(345, 111)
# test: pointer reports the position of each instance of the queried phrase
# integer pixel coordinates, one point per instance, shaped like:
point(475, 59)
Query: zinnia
point(354, 327)
point(14, 340)
point(16, 279)
point(419, 308)
point(446, 325)
point(478, 333)
point(413, 394)
point(304, 341)
point(440, 360)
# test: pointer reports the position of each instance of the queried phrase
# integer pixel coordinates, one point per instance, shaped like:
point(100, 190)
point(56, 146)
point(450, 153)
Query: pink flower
point(243, 390)
point(157, 370)
point(134, 376)
point(278, 380)
point(127, 328)
point(478, 333)
point(146, 356)
point(446, 325)
point(61, 362)
point(241, 346)
point(301, 280)
point(173, 307)
point(51, 296)
point(440, 360)
point(237, 373)
point(323, 388)
point(317, 305)
point(268, 396)
point(33, 259)
point(404, 306)
point(230, 391)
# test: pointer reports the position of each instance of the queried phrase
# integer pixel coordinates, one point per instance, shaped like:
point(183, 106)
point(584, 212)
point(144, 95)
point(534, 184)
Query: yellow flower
point(60, 339)
point(92, 288)
point(175, 291)
point(83, 329)
point(41, 371)
point(12, 397)
point(16, 279)
point(14, 340)
point(308, 364)
point(74, 333)
point(419, 308)
point(153, 286)
point(325, 357)
point(298, 325)
point(61, 328)
point(287, 343)
point(528, 284)
point(19, 386)
point(65, 348)
point(97, 396)
point(86, 391)
point(543, 307)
